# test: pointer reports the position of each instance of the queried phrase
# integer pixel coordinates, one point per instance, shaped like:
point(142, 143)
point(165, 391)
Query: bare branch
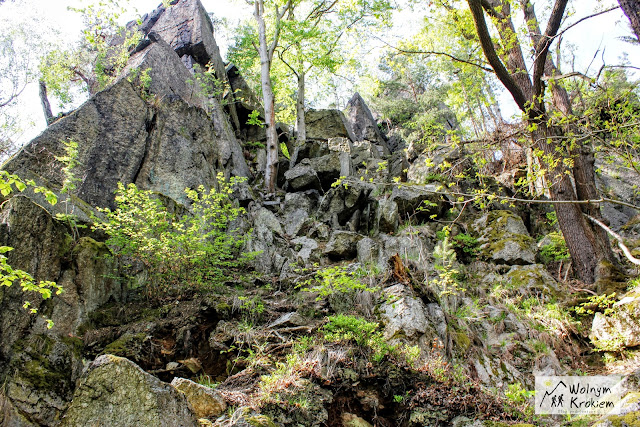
point(490, 52)
point(625, 249)
point(428, 52)
point(542, 47)
point(585, 18)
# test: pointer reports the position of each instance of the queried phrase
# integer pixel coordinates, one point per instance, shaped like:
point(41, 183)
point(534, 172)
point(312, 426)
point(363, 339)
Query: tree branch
point(585, 18)
point(542, 47)
point(427, 52)
point(625, 249)
point(490, 52)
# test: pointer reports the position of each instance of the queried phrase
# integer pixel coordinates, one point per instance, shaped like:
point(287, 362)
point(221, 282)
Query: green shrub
point(357, 330)
point(334, 280)
point(178, 251)
point(556, 250)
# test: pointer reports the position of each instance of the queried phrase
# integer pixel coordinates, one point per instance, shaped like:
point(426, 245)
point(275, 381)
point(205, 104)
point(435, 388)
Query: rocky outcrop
point(363, 124)
point(326, 124)
point(116, 392)
point(504, 239)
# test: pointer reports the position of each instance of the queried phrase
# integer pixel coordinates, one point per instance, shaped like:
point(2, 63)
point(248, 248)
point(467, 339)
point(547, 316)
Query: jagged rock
point(297, 209)
point(267, 241)
point(341, 203)
point(415, 247)
point(504, 239)
point(38, 365)
point(387, 216)
point(115, 391)
point(407, 318)
point(326, 124)
point(328, 169)
point(403, 313)
point(186, 26)
point(169, 76)
point(620, 329)
point(343, 245)
point(398, 167)
point(303, 176)
point(619, 183)
point(418, 202)
point(205, 402)
point(121, 139)
point(307, 250)
point(363, 124)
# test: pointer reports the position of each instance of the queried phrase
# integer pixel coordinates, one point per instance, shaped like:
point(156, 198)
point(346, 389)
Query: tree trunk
point(631, 8)
point(271, 170)
point(583, 158)
point(301, 125)
point(585, 245)
point(44, 99)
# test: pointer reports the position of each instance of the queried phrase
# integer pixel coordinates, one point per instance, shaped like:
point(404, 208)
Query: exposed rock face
point(116, 392)
point(363, 124)
point(325, 124)
point(39, 366)
point(504, 238)
point(343, 245)
point(409, 319)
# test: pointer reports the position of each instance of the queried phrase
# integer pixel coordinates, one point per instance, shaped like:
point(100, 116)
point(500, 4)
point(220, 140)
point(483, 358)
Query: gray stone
point(403, 313)
point(418, 202)
point(387, 216)
point(186, 26)
point(340, 204)
point(297, 210)
point(325, 124)
point(115, 391)
point(303, 176)
point(204, 401)
point(368, 251)
point(121, 139)
point(307, 250)
point(504, 239)
point(343, 245)
point(168, 74)
point(362, 122)
point(329, 168)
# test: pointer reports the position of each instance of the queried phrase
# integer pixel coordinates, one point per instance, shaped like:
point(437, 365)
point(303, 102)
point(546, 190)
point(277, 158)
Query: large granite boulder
point(116, 392)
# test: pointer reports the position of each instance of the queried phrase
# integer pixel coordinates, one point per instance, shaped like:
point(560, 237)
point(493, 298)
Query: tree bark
point(44, 100)
point(584, 160)
point(266, 56)
point(631, 8)
point(301, 124)
point(586, 245)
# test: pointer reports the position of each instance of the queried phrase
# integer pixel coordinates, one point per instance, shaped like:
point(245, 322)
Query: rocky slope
point(416, 337)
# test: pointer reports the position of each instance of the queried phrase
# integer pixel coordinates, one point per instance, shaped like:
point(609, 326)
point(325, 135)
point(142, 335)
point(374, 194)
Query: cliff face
point(359, 308)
